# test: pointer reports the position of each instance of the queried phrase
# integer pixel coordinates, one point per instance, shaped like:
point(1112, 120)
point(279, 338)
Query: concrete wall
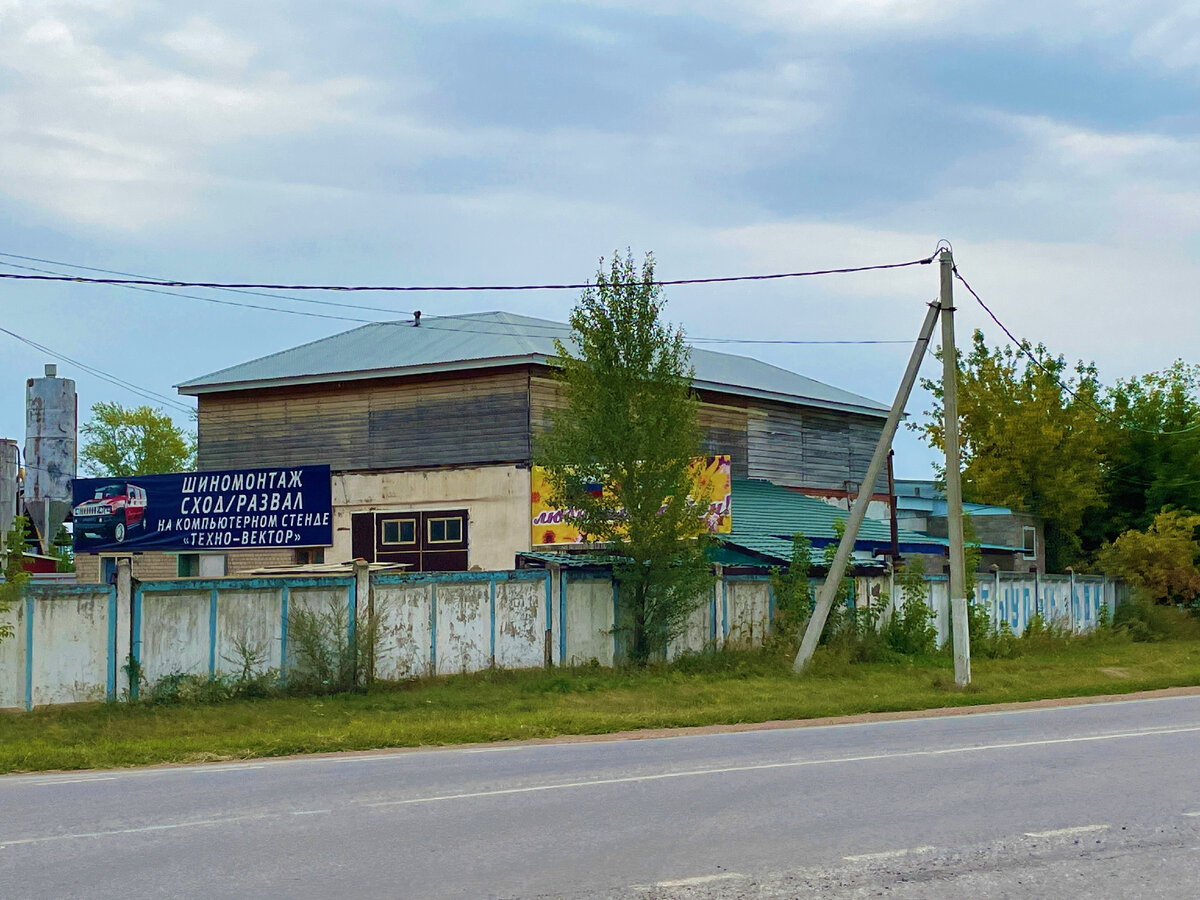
point(71, 641)
point(67, 646)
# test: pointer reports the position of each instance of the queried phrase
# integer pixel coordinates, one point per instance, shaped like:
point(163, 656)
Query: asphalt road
point(1099, 800)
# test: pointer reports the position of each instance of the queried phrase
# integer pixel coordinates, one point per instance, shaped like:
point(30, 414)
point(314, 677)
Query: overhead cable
point(222, 285)
point(1024, 347)
point(144, 393)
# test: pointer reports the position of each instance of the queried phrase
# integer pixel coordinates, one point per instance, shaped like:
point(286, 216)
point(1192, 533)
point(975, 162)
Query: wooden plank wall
point(485, 418)
point(369, 425)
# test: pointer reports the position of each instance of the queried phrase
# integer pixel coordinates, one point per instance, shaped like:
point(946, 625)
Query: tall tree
point(1151, 450)
point(1027, 442)
point(619, 454)
point(121, 441)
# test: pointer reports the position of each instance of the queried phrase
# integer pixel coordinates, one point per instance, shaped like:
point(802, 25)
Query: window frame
point(383, 523)
point(429, 522)
point(1029, 549)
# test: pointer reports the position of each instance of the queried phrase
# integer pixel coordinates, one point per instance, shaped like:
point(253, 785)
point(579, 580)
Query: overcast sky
point(1055, 144)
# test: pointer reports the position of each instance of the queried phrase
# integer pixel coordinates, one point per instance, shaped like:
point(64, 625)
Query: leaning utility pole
point(816, 624)
point(958, 565)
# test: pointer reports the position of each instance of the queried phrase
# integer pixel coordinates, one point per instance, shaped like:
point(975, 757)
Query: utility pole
point(958, 566)
point(816, 624)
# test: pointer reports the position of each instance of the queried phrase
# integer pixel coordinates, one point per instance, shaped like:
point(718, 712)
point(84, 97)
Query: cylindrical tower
point(9, 477)
point(51, 420)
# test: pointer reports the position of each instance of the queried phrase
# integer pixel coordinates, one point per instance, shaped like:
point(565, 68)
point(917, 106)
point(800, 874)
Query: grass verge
point(722, 688)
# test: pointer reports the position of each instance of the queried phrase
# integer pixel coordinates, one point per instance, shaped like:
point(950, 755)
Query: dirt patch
point(1114, 672)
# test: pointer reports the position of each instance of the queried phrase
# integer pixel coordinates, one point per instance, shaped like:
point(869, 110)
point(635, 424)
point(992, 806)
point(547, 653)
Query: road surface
point(1099, 800)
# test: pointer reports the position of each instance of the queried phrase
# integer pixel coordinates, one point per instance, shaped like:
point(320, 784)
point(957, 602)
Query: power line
point(279, 309)
point(135, 275)
point(221, 285)
point(144, 393)
point(436, 324)
point(1023, 346)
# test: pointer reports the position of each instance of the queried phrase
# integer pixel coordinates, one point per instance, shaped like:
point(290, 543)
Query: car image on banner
point(226, 510)
point(116, 510)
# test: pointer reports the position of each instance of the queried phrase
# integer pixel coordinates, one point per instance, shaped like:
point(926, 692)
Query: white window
point(1029, 538)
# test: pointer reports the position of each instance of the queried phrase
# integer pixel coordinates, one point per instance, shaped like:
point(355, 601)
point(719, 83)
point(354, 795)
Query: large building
point(428, 430)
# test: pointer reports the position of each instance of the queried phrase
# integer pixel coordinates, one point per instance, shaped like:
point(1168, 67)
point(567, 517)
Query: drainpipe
point(891, 481)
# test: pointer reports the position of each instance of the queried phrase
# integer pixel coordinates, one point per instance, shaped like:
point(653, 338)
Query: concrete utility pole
point(958, 565)
point(859, 511)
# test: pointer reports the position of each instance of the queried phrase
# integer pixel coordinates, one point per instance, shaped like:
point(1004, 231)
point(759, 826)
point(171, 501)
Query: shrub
point(910, 628)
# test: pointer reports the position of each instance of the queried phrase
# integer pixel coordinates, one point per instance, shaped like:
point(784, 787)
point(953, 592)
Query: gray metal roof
point(482, 340)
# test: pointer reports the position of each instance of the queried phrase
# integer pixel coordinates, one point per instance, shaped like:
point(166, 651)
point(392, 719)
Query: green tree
point(15, 576)
point(1151, 452)
point(1159, 563)
point(1027, 442)
point(793, 590)
point(910, 629)
point(629, 425)
point(120, 441)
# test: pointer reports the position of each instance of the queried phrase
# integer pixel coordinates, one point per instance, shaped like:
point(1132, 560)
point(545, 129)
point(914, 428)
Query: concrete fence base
point(77, 643)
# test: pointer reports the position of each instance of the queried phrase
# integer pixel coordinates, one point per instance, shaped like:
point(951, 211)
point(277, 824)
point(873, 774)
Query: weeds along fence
point(78, 643)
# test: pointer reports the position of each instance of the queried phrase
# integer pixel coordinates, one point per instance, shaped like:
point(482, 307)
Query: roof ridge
point(257, 359)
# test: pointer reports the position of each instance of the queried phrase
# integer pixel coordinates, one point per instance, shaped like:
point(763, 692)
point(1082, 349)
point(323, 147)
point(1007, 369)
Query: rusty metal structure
point(51, 420)
point(9, 478)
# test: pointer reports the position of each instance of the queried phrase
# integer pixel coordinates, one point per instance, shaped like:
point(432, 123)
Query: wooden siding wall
point(789, 445)
point(813, 448)
point(369, 425)
point(479, 419)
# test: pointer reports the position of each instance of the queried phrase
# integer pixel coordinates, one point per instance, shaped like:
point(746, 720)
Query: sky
point(1054, 145)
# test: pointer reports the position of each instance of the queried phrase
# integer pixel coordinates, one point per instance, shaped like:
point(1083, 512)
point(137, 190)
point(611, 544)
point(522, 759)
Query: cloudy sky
point(1055, 144)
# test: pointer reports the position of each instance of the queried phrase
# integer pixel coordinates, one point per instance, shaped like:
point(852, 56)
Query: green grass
point(718, 689)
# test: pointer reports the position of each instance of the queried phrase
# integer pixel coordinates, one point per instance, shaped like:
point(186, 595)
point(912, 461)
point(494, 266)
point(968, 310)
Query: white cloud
point(202, 41)
point(116, 139)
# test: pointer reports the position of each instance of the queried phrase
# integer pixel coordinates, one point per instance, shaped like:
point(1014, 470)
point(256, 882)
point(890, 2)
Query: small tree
point(121, 441)
point(618, 456)
point(910, 629)
point(15, 576)
point(792, 589)
point(1160, 562)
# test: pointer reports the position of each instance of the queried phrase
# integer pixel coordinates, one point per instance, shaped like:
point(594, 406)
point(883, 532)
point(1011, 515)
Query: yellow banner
point(710, 476)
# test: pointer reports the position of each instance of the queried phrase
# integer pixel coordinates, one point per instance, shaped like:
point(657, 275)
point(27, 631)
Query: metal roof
point(484, 340)
point(765, 516)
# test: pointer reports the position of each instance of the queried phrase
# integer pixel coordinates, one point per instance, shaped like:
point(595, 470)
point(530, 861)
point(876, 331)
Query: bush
point(910, 629)
point(1149, 622)
point(324, 660)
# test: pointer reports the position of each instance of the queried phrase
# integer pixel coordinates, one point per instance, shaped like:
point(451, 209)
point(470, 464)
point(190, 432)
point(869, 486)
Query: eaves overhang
point(195, 389)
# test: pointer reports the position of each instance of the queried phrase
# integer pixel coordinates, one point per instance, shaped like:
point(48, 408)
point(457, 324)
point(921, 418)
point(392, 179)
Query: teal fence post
point(492, 610)
point(433, 627)
point(285, 596)
point(212, 633)
point(111, 689)
point(28, 652)
point(562, 617)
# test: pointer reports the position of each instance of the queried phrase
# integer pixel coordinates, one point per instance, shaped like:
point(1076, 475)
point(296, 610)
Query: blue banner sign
point(282, 507)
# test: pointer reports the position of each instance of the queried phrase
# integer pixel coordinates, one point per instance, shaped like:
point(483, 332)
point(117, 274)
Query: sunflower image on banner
point(710, 475)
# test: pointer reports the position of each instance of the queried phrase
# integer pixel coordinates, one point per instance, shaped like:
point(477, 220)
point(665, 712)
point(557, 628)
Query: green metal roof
point(765, 516)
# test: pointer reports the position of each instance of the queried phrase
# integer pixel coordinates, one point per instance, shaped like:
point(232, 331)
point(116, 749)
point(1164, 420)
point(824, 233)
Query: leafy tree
point(1027, 442)
point(1151, 449)
point(629, 426)
point(120, 441)
point(1159, 563)
point(792, 589)
point(15, 576)
point(910, 629)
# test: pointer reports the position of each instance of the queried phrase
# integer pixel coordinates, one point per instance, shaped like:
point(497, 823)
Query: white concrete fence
point(73, 643)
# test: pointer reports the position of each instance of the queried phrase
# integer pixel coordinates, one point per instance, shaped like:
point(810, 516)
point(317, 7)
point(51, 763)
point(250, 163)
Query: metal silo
point(9, 476)
point(50, 428)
